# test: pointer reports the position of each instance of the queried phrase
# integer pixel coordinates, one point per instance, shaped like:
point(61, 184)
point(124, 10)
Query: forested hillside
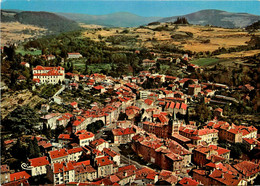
point(50, 21)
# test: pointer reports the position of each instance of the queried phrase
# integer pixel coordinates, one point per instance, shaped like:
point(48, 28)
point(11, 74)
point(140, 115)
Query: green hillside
point(50, 21)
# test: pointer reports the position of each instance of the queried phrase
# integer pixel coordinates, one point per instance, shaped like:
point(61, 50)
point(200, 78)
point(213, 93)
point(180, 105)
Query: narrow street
point(125, 159)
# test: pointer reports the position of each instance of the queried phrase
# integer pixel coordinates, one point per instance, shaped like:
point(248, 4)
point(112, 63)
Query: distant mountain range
point(217, 18)
point(60, 22)
point(50, 21)
point(119, 19)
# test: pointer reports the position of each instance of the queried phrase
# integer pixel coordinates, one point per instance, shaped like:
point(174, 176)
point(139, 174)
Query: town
point(141, 134)
point(123, 99)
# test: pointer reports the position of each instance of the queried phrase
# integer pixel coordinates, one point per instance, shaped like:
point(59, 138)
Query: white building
point(38, 165)
point(52, 75)
point(61, 173)
point(59, 155)
point(74, 55)
point(85, 138)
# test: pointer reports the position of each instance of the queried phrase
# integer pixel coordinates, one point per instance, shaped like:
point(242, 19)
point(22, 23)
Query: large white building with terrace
point(48, 75)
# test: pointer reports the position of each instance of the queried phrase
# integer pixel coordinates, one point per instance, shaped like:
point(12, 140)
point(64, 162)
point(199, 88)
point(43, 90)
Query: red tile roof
point(127, 167)
point(64, 137)
point(224, 178)
point(121, 131)
point(97, 142)
point(48, 68)
point(73, 103)
point(86, 135)
point(41, 161)
point(103, 161)
point(110, 152)
point(6, 142)
point(148, 101)
point(184, 106)
point(19, 175)
point(99, 87)
point(114, 179)
point(75, 150)
point(62, 167)
point(188, 181)
point(58, 153)
point(247, 168)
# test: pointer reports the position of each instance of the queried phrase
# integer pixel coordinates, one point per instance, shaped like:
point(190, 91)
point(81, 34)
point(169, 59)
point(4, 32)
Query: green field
point(205, 61)
point(95, 68)
point(23, 52)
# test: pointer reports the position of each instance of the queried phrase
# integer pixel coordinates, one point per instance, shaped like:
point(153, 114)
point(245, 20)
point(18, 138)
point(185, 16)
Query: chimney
point(125, 174)
point(222, 175)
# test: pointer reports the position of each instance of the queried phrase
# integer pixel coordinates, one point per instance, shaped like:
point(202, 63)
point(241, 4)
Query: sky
point(147, 8)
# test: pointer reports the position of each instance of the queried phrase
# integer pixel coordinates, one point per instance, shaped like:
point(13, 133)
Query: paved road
point(107, 128)
point(59, 91)
point(125, 159)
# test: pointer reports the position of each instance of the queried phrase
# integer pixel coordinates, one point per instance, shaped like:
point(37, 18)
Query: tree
point(36, 148)
point(18, 151)
point(30, 150)
point(181, 20)
point(22, 119)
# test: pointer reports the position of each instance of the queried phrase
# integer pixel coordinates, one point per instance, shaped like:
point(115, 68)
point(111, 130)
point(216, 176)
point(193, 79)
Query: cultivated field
point(200, 38)
point(13, 32)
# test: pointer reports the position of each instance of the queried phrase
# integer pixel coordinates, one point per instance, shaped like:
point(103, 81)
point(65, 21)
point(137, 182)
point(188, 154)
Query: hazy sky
point(142, 8)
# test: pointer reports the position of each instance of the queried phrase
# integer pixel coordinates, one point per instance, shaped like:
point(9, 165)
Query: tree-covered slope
point(50, 21)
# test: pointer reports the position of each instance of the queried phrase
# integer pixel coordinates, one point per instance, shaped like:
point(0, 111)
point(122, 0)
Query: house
point(167, 154)
point(125, 176)
point(148, 63)
point(199, 136)
point(73, 86)
point(38, 165)
point(234, 134)
point(161, 130)
point(73, 77)
point(194, 89)
point(5, 174)
point(250, 143)
point(85, 137)
point(217, 177)
point(249, 170)
point(212, 153)
point(145, 175)
point(19, 178)
point(124, 124)
point(84, 171)
point(104, 166)
point(112, 154)
point(74, 105)
point(99, 144)
point(74, 154)
point(100, 89)
point(21, 78)
point(123, 136)
point(25, 64)
point(167, 178)
point(188, 181)
point(52, 75)
point(61, 172)
point(50, 57)
point(64, 119)
point(60, 155)
point(64, 139)
point(51, 120)
point(74, 55)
